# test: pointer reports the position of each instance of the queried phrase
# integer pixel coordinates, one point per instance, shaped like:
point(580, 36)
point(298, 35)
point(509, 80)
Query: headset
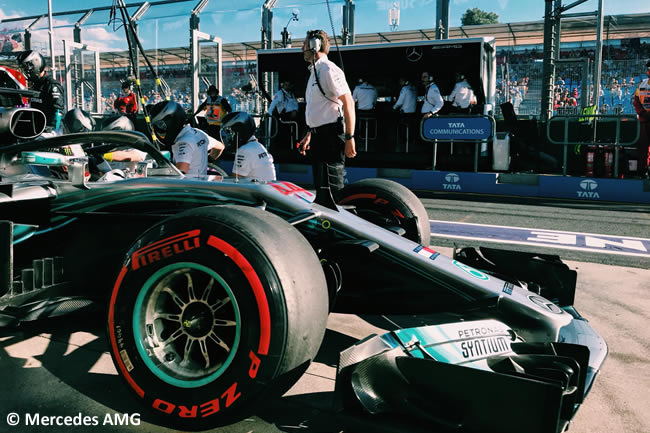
point(315, 42)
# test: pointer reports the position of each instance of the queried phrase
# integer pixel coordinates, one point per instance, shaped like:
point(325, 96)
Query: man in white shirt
point(432, 98)
point(329, 115)
point(365, 95)
point(284, 102)
point(407, 97)
point(285, 107)
point(190, 146)
point(406, 104)
point(462, 98)
point(251, 157)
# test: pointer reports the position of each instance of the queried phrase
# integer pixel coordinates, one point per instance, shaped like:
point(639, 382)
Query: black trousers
point(327, 151)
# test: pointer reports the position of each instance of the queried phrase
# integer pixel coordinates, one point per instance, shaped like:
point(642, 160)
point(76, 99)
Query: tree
point(476, 16)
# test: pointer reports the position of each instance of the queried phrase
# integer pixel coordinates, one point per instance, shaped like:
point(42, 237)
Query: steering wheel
point(113, 175)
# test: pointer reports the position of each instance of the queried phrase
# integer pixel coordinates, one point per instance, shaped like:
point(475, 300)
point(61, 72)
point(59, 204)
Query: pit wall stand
point(477, 129)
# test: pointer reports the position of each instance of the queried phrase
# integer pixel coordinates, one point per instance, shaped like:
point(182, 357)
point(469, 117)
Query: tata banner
point(457, 128)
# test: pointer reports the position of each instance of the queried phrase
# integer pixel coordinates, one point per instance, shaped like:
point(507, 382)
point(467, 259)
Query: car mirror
point(77, 172)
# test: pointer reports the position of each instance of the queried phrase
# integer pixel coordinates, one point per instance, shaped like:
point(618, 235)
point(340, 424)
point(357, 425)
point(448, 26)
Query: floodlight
point(29, 27)
point(144, 7)
point(84, 18)
point(199, 7)
point(269, 4)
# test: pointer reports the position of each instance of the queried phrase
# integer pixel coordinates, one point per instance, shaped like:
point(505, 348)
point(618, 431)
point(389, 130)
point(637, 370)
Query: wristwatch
point(348, 136)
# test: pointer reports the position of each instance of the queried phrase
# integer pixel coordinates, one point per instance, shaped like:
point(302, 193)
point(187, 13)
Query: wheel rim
point(186, 324)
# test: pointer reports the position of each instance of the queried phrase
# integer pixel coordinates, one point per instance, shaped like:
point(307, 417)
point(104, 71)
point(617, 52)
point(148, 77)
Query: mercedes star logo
point(413, 54)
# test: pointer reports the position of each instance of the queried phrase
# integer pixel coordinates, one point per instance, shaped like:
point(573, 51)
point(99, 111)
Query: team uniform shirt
point(253, 160)
point(462, 95)
point(284, 101)
point(432, 100)
point(50, 98)
point(324, 109)
point(642, 95)
point(365, 95)
point(191, 146)
point(126, 104)
point(407, 99)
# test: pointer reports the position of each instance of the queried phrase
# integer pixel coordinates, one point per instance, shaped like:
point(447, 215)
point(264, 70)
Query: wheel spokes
point(177, 300)
point(214, 337)
point(188, 350)
point(204, 351)
point(167, 316)
point(222, 322)
point(207, 290)
point(220, 303)
point(172, 337)
point(190, 287)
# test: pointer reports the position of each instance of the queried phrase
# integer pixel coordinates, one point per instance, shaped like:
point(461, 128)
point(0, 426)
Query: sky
point(240, 21)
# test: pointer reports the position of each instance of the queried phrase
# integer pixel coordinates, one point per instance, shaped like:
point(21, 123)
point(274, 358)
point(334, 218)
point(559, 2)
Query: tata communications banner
point(456, 128)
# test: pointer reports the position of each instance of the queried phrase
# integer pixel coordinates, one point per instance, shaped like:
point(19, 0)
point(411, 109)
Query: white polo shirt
point(365, 95)
point(284, 102)
point(191, 146)
point(462, 95)
point(322, 110)
point(253, 160)
point(407, 99)
point(432, 100)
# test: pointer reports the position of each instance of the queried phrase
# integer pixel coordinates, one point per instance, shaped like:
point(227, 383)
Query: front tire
point(388, 204)
point(213, 307)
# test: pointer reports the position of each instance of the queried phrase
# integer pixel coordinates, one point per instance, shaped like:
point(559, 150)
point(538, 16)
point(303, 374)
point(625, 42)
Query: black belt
point(325, 127)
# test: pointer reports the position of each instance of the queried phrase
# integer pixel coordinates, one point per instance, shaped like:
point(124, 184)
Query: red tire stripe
point(111, 332)
point(258, 290)
point(357, 196)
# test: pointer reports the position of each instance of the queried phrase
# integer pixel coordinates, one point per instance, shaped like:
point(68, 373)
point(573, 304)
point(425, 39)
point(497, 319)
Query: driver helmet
point(127, 84)
point(237, 128)
point(118, 123)
point(78, 120)
point(167, 120)
point(459, 77)
point(31, 64)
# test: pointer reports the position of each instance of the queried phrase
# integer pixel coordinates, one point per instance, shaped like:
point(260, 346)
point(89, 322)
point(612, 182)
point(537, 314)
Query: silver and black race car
point(217, 292)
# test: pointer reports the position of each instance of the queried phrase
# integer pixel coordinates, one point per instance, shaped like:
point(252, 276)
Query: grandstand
point(519, 56)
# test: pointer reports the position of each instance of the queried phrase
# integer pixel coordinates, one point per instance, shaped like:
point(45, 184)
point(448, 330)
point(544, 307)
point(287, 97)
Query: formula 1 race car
point(219, 291)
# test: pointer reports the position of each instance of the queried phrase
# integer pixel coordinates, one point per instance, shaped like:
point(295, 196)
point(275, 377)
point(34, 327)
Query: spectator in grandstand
point(251, 157)
point(462, 98)
point(127, 103)
point(365, 96)
point(216, 108)
point(190, 146)
point(50, 99)
point(329, 114)
point(433, 101)
point(641, 104)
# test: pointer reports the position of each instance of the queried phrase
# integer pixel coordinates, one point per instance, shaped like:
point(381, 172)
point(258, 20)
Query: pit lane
point(62, 366)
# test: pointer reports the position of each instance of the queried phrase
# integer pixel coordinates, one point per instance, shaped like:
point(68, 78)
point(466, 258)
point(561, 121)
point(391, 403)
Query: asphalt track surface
point(61, 366)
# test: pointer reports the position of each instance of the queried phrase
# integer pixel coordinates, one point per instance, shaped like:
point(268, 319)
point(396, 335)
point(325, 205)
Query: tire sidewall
point(393, 200)
point(251, 367)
